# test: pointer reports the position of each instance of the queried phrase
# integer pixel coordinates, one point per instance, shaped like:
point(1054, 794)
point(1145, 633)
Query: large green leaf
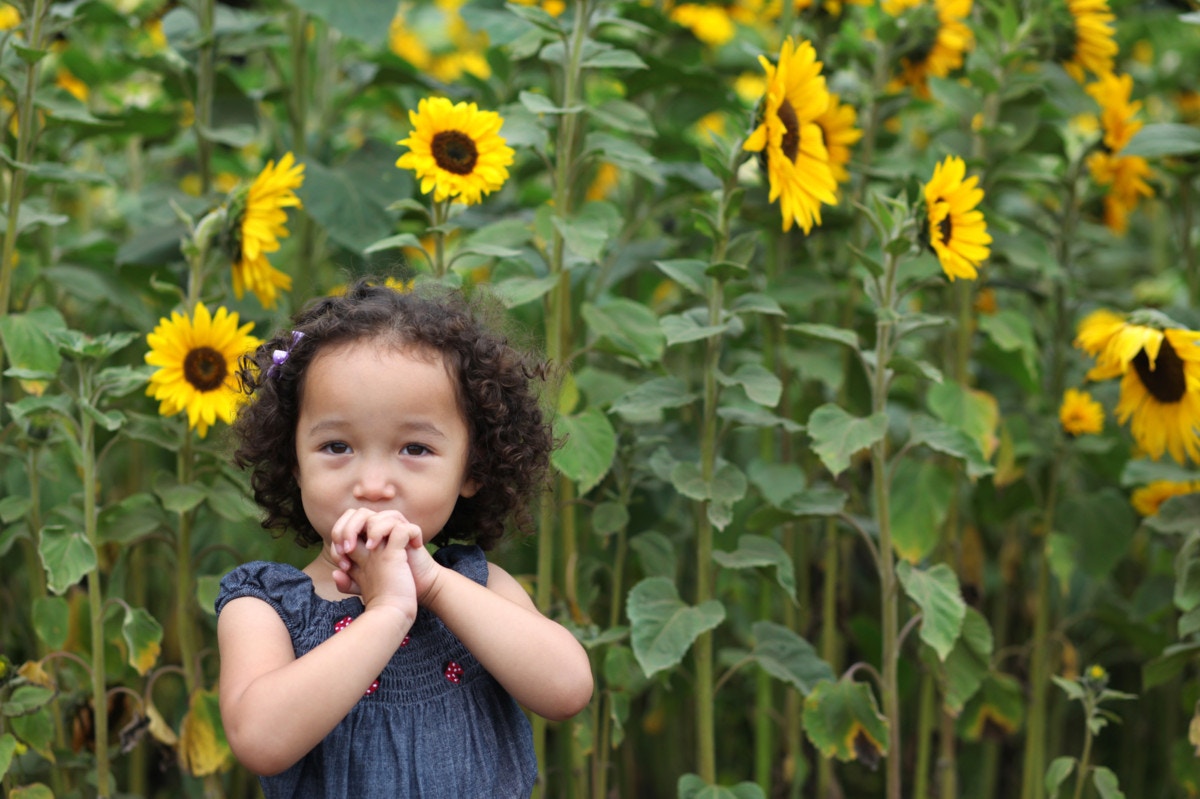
point(969, 410)
point(837, 435)
point(365, 20)
point(921, 494)
point(663, 627)
point(27, 343)
point(1103, 778)
point(1060, 768)
point(1103, 524)
point(1164, 139)
point(969, 661)
point(842, 720)
point(787, 656)
point(347, 201)
point(1012, 331)
point(628, 326)
point(1187, 574)
point(588, 231)
point(693, 786)
point(647, 399)
point(942, 437)
point(756, 551)
point(761, 384)
point(66, 557)
point(8, 746)
point(52, 620)
point(937, 594)
point(589, 445)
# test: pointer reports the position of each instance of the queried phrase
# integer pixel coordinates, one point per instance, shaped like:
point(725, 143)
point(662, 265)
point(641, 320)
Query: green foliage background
point(815, 519)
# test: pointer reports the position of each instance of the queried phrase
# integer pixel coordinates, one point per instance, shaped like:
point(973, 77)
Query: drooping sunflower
point(456, 150)
point(789, 138)
point(838, 131)
point(1158, 362)
point(196, 357)
point(1079, 414)
point(1125, 175)
point(257, 221)
point(1148, 499)
point(957, 230)
point(1083, 38)
point(934, 40)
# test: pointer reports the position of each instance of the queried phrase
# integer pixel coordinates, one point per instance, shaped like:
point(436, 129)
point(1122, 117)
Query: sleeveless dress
point(436, 725)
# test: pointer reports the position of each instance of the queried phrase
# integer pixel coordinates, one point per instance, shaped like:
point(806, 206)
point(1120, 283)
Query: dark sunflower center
point(1063, 32)
point(455, 151)
point(791, 131)
point(1166, 382)
point(205, 369)
point(945, 228)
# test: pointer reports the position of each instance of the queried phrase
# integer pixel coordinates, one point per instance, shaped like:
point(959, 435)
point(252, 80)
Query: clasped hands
point(381, 556)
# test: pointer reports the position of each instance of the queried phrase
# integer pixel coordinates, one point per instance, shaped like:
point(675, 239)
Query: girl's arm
point(538, 661)
point(277, 707)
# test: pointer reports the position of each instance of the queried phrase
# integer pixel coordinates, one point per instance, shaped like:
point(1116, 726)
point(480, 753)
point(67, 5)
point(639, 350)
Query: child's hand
point(372, 558)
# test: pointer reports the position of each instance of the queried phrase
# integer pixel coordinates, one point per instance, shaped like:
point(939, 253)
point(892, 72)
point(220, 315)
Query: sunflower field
point(878, 336)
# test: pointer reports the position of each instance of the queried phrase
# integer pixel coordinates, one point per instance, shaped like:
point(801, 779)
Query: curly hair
point(510, 438)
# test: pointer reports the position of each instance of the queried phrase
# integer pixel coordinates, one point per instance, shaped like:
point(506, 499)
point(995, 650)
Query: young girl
point(379, 423)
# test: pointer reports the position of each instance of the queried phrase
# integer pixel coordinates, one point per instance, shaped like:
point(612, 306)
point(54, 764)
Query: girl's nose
point(374, 483)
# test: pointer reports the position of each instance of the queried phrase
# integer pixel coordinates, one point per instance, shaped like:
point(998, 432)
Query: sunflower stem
point(205, 88)
point(1189, 252)
point(26, 128)
point(889, 585)
point(441, 213)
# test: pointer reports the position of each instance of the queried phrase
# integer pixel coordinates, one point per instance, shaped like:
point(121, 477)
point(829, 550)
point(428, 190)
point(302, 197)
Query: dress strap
point(466, 559)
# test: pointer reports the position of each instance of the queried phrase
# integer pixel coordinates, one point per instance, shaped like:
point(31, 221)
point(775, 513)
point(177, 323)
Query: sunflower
point(257, 223)
point(1079, 414)
point(957, 231)
point(839, 134)
point(1159, 365)
point(1125, 175)
point(710, 24)
point(1083, 38)
point(456, 150)
point(935, 38)
point(790, 139)
point(1148, 499)
point(196, 358)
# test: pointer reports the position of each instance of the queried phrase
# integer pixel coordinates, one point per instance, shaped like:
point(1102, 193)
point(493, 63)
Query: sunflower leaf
point(1164, 139)
point(837, 435)
point(663, 627)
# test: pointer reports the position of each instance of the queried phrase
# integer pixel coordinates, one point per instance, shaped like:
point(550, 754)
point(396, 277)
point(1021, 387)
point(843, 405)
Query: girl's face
point(380, 428)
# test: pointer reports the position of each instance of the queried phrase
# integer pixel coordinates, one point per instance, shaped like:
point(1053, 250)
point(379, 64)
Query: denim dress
point(435, 725)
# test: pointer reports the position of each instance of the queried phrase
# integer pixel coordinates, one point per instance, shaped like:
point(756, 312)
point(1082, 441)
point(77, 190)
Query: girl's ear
point(469, 489)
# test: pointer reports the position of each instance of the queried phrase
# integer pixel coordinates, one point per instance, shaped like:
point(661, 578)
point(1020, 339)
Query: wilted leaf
point(203, 749)
point(143, 638)
point(842, 720)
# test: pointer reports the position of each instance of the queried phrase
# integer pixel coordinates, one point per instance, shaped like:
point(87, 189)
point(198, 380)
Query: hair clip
point(279, 357)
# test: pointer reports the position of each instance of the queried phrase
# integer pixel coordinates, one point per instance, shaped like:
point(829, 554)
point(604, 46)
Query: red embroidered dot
point(453, 672)
point(342, 624)
point(405, 641)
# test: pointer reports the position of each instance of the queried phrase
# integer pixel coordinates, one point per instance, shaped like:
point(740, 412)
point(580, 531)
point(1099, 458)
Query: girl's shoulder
point(278, 584)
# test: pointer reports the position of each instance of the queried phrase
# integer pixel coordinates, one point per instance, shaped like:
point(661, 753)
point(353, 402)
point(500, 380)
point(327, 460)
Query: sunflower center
point(205, 369)
point(791, 131)
point(1166, 381)
point(945, 228)
point(454, 151)
point(1063, 34)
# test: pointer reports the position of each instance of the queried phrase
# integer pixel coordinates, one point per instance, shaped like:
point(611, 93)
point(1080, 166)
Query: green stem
point(26, 127)
point(205, 89)
point(1189, 252)
point(925, 714)
point(299, 92)
point(889, 585)
point(87, 448)
point(1084, 760)
point(184, 621)
point(441, 214)
point(764, 704)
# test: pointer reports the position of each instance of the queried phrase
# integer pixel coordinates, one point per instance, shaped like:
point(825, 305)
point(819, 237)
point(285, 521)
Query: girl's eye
point(415, 449)
point(337, 447)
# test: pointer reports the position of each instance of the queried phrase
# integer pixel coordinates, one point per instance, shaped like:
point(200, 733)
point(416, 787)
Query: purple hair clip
point(279, 357)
